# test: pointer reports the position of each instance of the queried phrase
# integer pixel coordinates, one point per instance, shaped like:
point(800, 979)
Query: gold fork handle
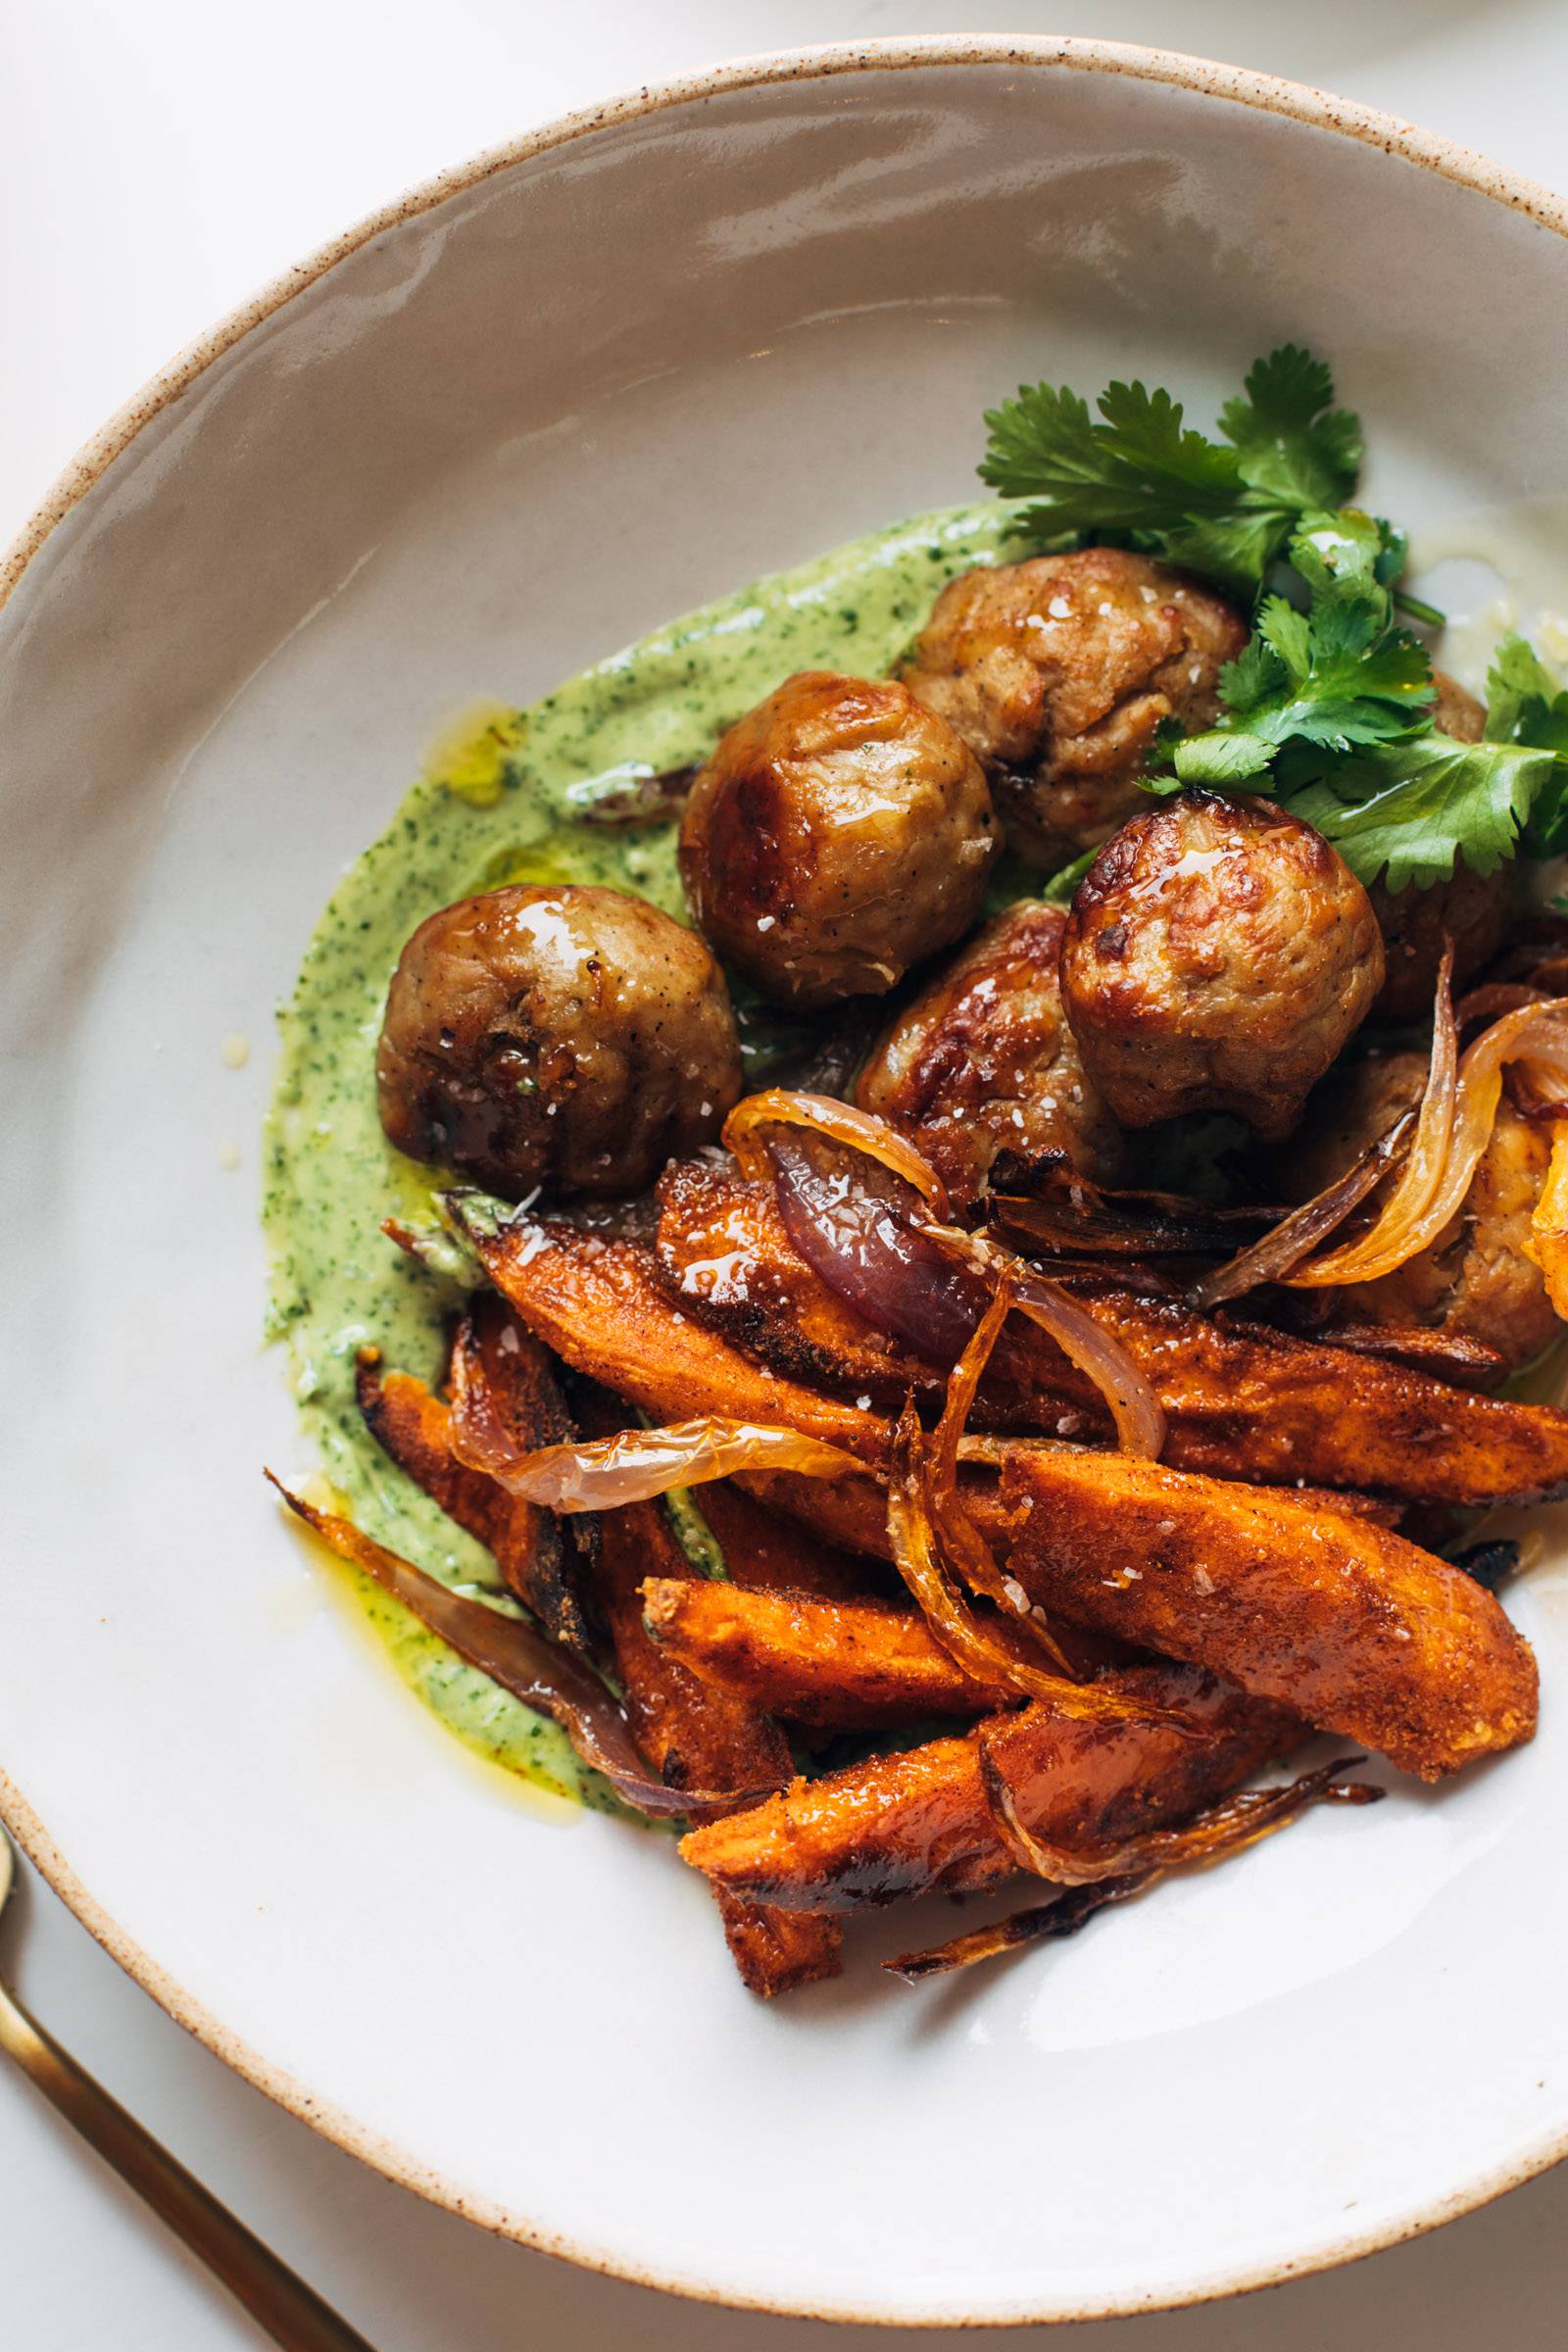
point(292, 2313)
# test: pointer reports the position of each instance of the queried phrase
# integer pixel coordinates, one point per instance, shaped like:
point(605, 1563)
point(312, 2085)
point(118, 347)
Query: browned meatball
point(983, 1063)
point(569, 1039)
point(838, 834)
point(1470, 908)
point(1058, 671)
point(1218, 955)
point(1475, 1279)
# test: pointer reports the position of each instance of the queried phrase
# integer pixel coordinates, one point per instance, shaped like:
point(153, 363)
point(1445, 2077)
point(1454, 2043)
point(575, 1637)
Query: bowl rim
point(1205, 78)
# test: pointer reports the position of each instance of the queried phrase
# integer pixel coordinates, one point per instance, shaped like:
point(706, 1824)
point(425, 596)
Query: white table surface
point(157, 162)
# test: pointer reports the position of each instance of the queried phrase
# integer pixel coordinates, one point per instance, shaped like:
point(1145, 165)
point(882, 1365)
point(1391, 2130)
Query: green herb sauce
point(504, 803)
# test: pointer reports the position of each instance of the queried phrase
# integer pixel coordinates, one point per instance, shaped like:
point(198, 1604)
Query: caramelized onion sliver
point(1221, 1829)
point(1281, 1250)
point(858, 1130)
point(524, 1661)
point(990, 1653)
point(1041, 1923)
point(636, 1464)
point(1135, 1409)
point(1536, 1033)
point(1429, 1150)
point(912, 1537)
point(956, 1534)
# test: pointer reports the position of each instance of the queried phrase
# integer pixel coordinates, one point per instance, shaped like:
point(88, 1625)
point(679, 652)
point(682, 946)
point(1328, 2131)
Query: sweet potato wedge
point(1246, 1401)
point(768, 1553)
point(694, 1734)
point(918, 1821)
point(603, 1308)
point(727, 1259)
point(1335, 1616)
point(1346, 1622)
point(536, 1557)
point(842, 1665)
point(1242, 1399)
point(691, 1731)
point(776, 1951)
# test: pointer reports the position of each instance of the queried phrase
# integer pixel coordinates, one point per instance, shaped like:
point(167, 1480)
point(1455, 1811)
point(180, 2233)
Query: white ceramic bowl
point(548, 401)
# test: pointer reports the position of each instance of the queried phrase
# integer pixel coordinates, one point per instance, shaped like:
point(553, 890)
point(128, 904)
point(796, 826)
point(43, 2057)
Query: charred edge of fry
point(1225, 1827)
point(411, 1425)
point(779, 1951)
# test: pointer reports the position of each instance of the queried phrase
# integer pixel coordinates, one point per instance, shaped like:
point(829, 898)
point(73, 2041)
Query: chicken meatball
point(1475, 1281)
point(1057, 673)
point(1218, 955)
point(982, 1066)
point(839, 833)
point(1470, 908)
point(566, 1039)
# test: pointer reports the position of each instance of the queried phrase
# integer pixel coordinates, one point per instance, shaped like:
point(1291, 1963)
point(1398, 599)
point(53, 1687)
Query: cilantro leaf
point(1518, 680)
point(1338, 676)
point(1526, 706)
point(1408, 810)
point(1138, 471)
point(1289, 439)
point(1222, 508)
point(1140, 474)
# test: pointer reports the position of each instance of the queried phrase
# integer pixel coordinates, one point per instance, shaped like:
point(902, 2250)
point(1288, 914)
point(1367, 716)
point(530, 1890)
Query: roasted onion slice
point(860, 1239)
point(1135, 1409)
point(1083, 1899)
point(957, 1536)
point(1282, 1250)
point(637, 1464)
point(918, 1276)
point(990, 1653)
point(1041, 1923)
point(1463, 1102)
point(1221, 1829)
point(823, 1114)
point(992, 1649)
point(1064, 1215)
point(522, 1661)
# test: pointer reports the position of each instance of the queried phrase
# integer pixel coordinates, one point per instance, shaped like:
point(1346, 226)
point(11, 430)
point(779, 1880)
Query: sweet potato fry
point(696, 1736)
point(1355, 1629)
point(768, 1553)
point(1248, 1401)
point(776, 1951)
point(1242, 1399)
point(536, 1557)
point(603, 1308)
point(918, 1821)
point(727, 1259)
point(1358, 1629)
point(842, 1665)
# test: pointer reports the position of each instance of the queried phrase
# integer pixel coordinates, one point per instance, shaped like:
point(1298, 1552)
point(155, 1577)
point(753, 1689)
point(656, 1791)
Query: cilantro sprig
point(1328, 708)
point(1227, 509)
point(1526, 706)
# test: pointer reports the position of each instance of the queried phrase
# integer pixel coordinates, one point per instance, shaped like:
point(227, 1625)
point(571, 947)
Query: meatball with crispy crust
point(1218, 955)
point(1470, 908)
point(838, 834)
point(1058, 672)
point(572, 1039)
point(982, 1066)
point(1475, 1281)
